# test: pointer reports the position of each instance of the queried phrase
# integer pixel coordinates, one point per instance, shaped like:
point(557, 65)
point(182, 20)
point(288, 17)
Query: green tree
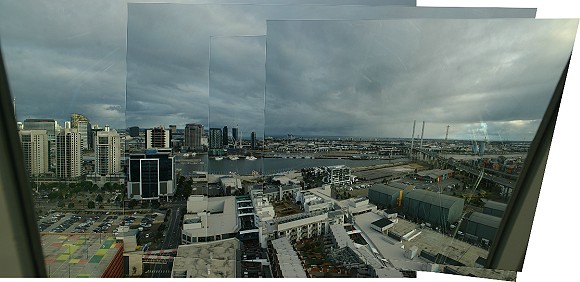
point(132, 203)
point(155, 204)
point(99, 198)
point(91, 205)
point(71, 205)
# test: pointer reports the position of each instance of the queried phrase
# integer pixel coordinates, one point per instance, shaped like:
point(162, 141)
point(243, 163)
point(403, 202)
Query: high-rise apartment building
point(68, 153)
point(50, 126)
point(35, 149)
point(158, 137)
point(84, 126)
point(193, 134)
point(253, 140)
point(235, 136)
point(107, 152)
point(75, 118)
point(225, 137)
point(215, 138)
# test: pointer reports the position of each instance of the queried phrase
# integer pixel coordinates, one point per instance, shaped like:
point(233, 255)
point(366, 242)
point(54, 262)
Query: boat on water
point(233, 158)
point(251, 158)
point(219, 158)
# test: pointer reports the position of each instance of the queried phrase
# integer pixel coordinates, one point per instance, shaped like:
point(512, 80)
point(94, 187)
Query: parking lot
point(94, 223)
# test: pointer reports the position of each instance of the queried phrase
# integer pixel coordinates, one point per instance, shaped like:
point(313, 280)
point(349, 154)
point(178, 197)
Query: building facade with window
point(68, 154)
point(193, 134)
point(151, 175)
point(158, 137)
point(35, 149)
point(107, 152)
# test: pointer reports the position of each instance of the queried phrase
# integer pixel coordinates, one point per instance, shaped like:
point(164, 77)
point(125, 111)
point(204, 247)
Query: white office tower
point(107, 152)
point(35, 149)
point(68, 153)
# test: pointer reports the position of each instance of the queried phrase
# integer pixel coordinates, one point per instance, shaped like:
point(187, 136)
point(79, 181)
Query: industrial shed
point(494, 208)
point(383, 196)
point(435, 174)
point(481, 227)
point(434, 208)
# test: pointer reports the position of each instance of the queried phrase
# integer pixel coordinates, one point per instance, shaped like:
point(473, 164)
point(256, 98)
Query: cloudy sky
point(373, 78)
point(237, 83)
point(168, 60)
point(72, 56)
point(67, 56)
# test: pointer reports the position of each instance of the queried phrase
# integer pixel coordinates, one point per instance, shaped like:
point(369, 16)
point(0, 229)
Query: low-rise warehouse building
point(386, 196)
point(436, 175)
point(431, 207)
point(481, 228)
point(494, 208)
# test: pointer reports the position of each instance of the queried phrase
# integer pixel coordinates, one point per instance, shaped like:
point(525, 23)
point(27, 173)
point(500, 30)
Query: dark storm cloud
point(174, 39)
point(69, 55)
point(66, 56)
point(373, 78)
point(62, 58)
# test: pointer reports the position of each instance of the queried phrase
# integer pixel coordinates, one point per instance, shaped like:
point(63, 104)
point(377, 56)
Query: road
point(171, 240)
point(173, 231)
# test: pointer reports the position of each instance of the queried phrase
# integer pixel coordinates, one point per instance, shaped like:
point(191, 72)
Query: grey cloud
point(441, 71)
point(172, 37)
point(46, 44)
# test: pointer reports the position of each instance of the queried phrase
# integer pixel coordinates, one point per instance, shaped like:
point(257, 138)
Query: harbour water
point(265, 165)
